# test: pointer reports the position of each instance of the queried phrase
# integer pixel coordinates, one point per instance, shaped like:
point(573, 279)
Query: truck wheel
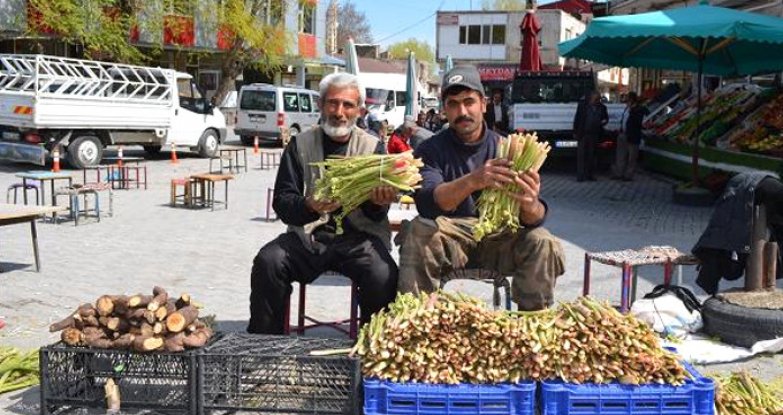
point(246, 140)
point(208, 144)
point(152, 150)
point(85, 151)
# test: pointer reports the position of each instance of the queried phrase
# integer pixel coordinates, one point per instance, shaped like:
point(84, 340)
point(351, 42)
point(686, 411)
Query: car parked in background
point(265, 110)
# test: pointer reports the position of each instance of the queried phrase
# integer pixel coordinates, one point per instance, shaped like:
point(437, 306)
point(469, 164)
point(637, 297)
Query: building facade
point(492, 40)
point(198, 44)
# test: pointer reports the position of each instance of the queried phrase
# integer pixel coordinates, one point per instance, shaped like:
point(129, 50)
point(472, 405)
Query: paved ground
point(209, 254)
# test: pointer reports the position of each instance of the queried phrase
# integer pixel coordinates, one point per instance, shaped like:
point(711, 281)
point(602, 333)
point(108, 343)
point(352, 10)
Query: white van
point(386, 96)
point(264, 109)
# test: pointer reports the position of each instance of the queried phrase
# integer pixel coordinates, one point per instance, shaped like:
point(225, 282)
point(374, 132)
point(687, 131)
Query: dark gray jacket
point(729, 226)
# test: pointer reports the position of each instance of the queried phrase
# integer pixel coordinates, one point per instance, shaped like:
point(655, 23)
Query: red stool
point(302, 318)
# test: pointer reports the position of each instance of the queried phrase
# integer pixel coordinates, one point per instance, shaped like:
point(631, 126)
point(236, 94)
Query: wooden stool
point(186, 195)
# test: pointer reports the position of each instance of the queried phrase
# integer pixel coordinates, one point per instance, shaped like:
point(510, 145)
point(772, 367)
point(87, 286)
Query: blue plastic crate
point(695, 397)
point(388, 398)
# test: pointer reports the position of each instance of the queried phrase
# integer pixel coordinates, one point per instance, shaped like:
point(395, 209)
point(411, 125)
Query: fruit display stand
point(741, 131)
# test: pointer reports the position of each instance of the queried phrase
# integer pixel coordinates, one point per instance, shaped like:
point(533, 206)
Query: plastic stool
point(16, 186)
point(302, 318)
point(73, 194)
point(102, 187)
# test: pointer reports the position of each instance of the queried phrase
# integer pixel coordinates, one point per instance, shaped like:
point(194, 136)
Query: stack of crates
point(278, 374)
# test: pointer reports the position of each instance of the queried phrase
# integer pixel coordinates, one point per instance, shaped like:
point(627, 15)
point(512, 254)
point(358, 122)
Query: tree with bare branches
point(352, 23)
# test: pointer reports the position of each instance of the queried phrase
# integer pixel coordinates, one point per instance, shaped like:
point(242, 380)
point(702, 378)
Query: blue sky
point(388, 17)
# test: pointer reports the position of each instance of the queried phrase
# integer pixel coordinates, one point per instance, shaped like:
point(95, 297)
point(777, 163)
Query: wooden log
point(174, 343)
point(90, 321)
point(139, 300)
point(147, 343)
point(104, 305)
point(112, 392)
point(183, 301)
point(72, 336)
point(87, 310)
point(147, 329)
point(120, 305)
point(135, 314)
point(158, 327)
point(161, 313)
point(181, 319)
point(198, 338)
point(159, 299)
point(118, 324)
point(149, 316)
point(63, 324)
point(125, 341)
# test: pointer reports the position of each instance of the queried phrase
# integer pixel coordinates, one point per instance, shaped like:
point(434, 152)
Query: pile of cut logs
point(140, 322)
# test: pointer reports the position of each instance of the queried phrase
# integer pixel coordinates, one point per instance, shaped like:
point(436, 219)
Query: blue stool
point(16, 186)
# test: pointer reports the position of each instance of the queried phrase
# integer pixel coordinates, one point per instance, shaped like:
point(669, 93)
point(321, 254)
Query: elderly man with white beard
point(311, 246)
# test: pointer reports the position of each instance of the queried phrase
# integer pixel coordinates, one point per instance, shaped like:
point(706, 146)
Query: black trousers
point(359, 256)
point(585, 156)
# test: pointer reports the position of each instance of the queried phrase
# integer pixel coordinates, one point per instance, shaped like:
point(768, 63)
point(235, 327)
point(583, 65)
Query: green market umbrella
point(351, 59)
point(702, 39)
point(410, 86)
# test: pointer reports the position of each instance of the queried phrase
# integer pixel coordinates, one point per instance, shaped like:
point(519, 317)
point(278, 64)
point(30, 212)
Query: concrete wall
point(448, 39)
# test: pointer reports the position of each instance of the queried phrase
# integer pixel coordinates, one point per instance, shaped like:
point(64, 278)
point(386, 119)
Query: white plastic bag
point(667, 315)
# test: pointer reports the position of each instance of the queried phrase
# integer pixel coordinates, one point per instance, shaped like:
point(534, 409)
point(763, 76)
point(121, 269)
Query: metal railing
point(57, 77)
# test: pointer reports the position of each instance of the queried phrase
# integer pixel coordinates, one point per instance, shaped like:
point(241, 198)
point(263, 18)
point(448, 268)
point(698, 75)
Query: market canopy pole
point(703, 39)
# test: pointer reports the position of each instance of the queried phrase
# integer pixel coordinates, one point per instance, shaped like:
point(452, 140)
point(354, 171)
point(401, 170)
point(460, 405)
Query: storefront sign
point(502, 72)
point(448, 19)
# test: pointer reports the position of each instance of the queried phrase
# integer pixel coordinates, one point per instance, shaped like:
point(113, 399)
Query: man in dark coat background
point(591, 117)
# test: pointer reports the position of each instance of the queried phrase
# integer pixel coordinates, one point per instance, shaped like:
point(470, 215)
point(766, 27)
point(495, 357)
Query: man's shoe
point(592, 179)
point(627, 179)
point(617, 178)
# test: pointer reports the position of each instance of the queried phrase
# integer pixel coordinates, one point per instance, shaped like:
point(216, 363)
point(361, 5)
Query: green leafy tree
point(420, 48)
point(252, 32)
point(103, 27)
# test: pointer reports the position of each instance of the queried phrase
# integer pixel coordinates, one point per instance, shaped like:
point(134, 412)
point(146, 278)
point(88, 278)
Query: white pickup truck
point(82, 106)
point(545, 102)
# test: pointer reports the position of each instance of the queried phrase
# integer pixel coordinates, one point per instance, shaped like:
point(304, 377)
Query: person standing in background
point(630, 137)
point(496, 116)
point(589, 121)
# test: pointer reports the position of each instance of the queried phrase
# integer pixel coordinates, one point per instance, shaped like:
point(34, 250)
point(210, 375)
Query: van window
point(401, 101)
point(305, 105)
point(290, 101)
point(258, 100)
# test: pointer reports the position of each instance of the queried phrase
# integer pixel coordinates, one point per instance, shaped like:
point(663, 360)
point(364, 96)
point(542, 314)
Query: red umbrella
point(531, 57)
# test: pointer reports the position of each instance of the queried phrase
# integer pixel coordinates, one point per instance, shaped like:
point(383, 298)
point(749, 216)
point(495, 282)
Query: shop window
point(498, 34)
point(463, 35)
point(486, 34)
point(474, 35)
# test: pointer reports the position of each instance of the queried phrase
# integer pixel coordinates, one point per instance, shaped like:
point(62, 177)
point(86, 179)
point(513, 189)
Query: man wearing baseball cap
point(459, 162)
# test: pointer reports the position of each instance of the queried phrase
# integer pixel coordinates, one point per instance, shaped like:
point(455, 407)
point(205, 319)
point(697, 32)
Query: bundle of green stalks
point(18, 369)
point(497, 209)
point(451, 338)
point(349, 180)
point(741, 394)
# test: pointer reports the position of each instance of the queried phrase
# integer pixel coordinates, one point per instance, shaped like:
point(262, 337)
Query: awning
point(331, 60)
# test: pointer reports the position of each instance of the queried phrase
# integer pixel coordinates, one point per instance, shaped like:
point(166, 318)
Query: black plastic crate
point(277, 374)
point(74, 377)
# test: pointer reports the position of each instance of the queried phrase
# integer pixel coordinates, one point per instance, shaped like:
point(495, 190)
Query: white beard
point(338, 131)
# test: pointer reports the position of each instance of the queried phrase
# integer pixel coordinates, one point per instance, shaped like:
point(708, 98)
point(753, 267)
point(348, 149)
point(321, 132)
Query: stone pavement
point(209, 254)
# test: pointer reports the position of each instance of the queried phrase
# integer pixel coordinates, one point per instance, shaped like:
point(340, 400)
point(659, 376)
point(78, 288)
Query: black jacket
point(633, 123)
point(489, 117)
point(724, 246)
point(580, 119)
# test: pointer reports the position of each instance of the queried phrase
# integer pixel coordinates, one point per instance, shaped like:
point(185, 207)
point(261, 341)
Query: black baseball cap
point(462, 75)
